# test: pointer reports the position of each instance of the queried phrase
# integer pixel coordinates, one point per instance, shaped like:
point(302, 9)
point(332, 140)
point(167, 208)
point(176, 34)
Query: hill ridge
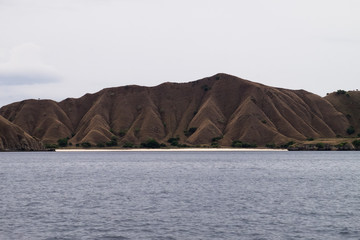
point(221, 106)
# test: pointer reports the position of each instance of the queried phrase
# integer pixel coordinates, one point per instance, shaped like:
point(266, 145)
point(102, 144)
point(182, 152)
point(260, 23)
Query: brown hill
point(347, 103)
point(218, 106)
point(13, 138)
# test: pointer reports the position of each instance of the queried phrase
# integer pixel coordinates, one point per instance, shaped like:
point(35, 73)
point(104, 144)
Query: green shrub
point(270, 145)
point(239, 144)
point(287, 145)
point(100, 145)
point(310, 139)
point(63, 142)
point(356, 144)
point(112, 142)
point(236, 144)
point(190, 131)
point(173, 141)
point(183, 146)
point(205, 88)
point(320, 145)
point(215, 142)
point(122, 133)
point(339, 92)
point(51, 145)
point(150, 143)
point(216, 139)
point(340, 145)
point(249, 145)
point(128, 145)
point(86, 144)
point(343, 146)
point(350, 130)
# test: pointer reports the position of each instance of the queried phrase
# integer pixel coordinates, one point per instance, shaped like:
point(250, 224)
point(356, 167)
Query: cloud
point(26, 67)
point(25, 79)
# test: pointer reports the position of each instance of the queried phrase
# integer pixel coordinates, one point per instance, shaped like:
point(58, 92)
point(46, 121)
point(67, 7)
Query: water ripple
point(179, 195)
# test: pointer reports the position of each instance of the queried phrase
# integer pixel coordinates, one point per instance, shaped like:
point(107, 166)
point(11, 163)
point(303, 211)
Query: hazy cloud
point(25, 79)
point(26, 67)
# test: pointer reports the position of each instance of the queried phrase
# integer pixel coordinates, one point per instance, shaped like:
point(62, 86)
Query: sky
point(67, 48)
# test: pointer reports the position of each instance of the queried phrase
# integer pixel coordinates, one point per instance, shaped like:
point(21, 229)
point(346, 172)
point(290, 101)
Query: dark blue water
point(182, 195)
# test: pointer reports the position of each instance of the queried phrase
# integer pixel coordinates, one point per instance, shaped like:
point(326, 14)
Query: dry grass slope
point(219, 106)
point(12, 138)
point(348, 103)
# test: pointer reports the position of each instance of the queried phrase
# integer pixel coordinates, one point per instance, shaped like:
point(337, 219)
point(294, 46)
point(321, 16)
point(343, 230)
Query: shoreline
point(175, 150)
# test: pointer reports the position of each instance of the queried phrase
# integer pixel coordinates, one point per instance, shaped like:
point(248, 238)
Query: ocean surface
point(180, 195)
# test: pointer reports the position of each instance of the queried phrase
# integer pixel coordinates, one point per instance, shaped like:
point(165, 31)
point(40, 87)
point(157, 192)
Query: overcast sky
point(66, 48)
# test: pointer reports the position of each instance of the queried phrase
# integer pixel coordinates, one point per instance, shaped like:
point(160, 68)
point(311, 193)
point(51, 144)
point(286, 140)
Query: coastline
point(175, 150)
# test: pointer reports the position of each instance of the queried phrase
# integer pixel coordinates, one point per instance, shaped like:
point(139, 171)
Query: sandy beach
point(176, 150)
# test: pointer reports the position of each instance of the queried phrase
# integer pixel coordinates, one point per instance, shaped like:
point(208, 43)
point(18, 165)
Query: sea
point(179, 195)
